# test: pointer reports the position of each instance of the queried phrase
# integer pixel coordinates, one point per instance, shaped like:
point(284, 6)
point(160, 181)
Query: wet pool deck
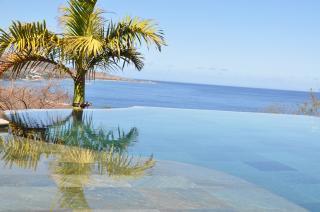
point(169, 186)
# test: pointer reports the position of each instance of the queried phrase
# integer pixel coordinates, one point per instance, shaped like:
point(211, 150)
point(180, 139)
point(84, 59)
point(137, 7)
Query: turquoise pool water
point(203, 160)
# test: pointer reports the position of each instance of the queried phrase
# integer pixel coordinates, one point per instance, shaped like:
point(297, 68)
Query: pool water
point(160, 159)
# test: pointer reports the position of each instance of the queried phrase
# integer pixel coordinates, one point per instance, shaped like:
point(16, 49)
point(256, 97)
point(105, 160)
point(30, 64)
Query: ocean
point(115, 94)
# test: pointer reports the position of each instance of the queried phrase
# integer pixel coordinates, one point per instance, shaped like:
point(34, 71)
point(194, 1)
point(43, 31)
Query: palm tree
point(88, 43)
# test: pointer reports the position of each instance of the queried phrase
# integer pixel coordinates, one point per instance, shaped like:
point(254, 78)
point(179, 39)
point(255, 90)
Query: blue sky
point(254, 43)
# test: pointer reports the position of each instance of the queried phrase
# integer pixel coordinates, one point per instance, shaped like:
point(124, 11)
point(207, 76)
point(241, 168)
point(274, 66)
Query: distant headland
point(37, 74)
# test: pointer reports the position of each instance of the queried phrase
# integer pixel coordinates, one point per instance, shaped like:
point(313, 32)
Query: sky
point(251, 43)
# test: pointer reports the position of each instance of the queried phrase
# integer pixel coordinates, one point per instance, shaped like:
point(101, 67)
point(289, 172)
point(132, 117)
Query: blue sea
point(115, 94)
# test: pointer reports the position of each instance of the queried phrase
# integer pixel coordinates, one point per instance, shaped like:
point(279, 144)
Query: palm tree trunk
point(79, 92)
point(77, 116)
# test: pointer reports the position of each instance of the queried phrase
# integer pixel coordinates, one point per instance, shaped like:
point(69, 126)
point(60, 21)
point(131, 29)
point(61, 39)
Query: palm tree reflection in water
point(79, 151)
point(76, 129)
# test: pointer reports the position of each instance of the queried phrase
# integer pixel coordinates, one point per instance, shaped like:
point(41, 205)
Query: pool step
point(3, 123)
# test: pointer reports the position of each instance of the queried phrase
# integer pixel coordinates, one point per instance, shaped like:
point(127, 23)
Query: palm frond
point(83, 26)
point(132, 56)
point(114, 60)
point(27, 46)
point(131, 31)
point(83, 45)
point(82, 18)
point(26, 61)
point(27, 37)
point(5, 41)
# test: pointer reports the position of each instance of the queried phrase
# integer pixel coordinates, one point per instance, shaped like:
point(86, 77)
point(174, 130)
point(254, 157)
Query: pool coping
point(166, 108)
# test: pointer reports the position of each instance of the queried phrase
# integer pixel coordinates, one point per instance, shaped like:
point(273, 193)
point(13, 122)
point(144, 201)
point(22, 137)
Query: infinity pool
point(160, 159)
